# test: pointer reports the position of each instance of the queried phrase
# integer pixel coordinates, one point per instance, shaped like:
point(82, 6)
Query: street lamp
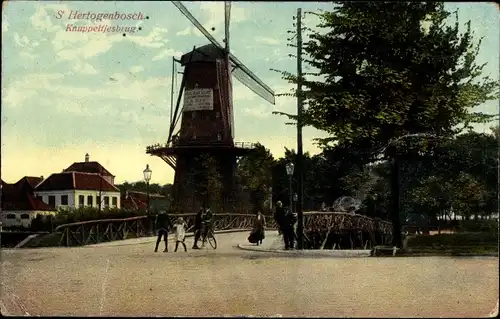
point(289, 172)
point(295, 199)
point(147, 177)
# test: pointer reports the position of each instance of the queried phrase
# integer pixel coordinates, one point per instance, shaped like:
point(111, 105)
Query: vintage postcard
point(249, 159)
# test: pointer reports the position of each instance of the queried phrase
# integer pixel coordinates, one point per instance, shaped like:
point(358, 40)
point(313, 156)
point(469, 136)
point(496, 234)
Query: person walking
point(163, 225)
point(289, 221)
point(198, 223)
point(180, 233)
point(279, 214)
point(260, 225)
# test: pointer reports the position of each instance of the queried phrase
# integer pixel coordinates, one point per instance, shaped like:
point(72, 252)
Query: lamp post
point(295, 199)
point(147, 177)
point(289, 172)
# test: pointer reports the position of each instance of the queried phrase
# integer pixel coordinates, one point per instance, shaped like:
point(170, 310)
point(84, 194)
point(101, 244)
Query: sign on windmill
point(198, 100)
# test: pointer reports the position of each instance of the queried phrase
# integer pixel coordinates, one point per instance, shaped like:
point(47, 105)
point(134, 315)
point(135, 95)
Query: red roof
point(132, 203)
point(76, 180)
point(19, 196)
point(28, 182)
point(88, 167)
point(137, 200)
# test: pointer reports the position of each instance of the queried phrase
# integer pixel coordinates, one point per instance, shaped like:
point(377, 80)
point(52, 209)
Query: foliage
point(254, 172)
point(208, 180)
point(476, 225)
point(141, 186)
point(385, 74)
point(73, 215)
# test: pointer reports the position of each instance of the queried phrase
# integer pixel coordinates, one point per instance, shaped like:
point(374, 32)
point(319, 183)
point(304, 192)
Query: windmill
point(207, 118)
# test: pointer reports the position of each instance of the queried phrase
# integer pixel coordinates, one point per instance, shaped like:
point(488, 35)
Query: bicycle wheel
point(212, 241)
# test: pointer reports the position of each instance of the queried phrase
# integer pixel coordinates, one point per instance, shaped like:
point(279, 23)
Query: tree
point(208, 178)
point(389, 69)
point(255, 173)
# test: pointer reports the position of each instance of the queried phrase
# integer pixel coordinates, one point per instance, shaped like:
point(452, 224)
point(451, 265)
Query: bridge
point(126, 278)
point(352, 229)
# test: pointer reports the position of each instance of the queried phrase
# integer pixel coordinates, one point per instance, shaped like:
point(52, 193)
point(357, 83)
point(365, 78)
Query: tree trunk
point(396, 223)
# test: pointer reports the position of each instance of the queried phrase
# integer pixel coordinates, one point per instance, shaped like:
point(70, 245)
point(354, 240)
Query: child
point(180, 233)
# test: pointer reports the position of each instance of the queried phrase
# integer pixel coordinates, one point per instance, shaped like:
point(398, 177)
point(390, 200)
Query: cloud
point(266, 40)
point(167, 53)
point(260, 111)
point(45, 161)
point(150, 91)
point(212, 16)
point(191, 30)
point(5, 25)
point(15, 93)
point(78, 47)
point(136, 69)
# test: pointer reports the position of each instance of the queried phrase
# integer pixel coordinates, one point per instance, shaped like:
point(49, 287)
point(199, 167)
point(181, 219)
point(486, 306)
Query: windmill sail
point(241, 72)
point(250, 80)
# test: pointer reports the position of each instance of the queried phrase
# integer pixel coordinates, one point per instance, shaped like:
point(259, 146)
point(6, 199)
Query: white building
point(76, 189)
point(19, 205)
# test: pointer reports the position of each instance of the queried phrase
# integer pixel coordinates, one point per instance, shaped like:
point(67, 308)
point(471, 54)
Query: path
point(131, 280)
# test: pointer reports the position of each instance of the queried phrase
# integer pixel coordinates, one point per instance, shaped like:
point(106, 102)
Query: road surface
point(132, 280)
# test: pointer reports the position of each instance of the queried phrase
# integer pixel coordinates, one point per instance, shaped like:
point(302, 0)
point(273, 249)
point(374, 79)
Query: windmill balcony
point(156, 147)
point(246, 145)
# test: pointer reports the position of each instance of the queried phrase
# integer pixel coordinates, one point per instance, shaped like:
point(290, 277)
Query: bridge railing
point(103, 230)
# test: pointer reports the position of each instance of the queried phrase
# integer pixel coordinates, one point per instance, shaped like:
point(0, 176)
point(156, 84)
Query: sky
point(65, 94)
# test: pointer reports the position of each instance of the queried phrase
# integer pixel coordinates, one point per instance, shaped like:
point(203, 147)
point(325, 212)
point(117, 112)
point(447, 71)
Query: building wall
point(94, 195)
point(74, 196)
point(18, 220)
point(45, 197)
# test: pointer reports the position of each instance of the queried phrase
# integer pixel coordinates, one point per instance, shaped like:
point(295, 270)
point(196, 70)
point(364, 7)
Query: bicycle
point(209, 235)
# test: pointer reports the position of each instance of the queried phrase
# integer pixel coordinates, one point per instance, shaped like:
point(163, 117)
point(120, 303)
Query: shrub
point(478, 226)
point(458, 239)
point(72, 215)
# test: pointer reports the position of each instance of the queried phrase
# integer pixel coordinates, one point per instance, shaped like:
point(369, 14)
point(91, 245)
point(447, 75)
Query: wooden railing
point(103, 230)
point(157, 147)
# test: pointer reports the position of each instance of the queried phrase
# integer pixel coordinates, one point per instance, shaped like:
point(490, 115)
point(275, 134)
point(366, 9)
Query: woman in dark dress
point(258, 232)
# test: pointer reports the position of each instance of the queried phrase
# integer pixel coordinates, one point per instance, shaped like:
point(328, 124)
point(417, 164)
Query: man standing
point(289, 221)
point(279, 215)
point(197, 227)
point(163, 224)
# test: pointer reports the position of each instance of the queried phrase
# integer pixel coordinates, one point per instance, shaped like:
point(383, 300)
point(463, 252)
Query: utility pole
point(300, 159)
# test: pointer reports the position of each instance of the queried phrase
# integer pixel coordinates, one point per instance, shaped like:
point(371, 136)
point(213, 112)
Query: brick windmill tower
point(207, 120)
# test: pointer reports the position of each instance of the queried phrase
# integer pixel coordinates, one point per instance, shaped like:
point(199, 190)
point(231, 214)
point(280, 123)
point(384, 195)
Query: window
point(193, 115)
point(219, 136)
point(98, 200)
point(90, 199)
point(25, 216)
point(217, 115)
point(106, 201)
point(40, 198)
point(115, 201)
point(11, 216)
point(64, 199)
point(52, 201)
point(81, 200)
